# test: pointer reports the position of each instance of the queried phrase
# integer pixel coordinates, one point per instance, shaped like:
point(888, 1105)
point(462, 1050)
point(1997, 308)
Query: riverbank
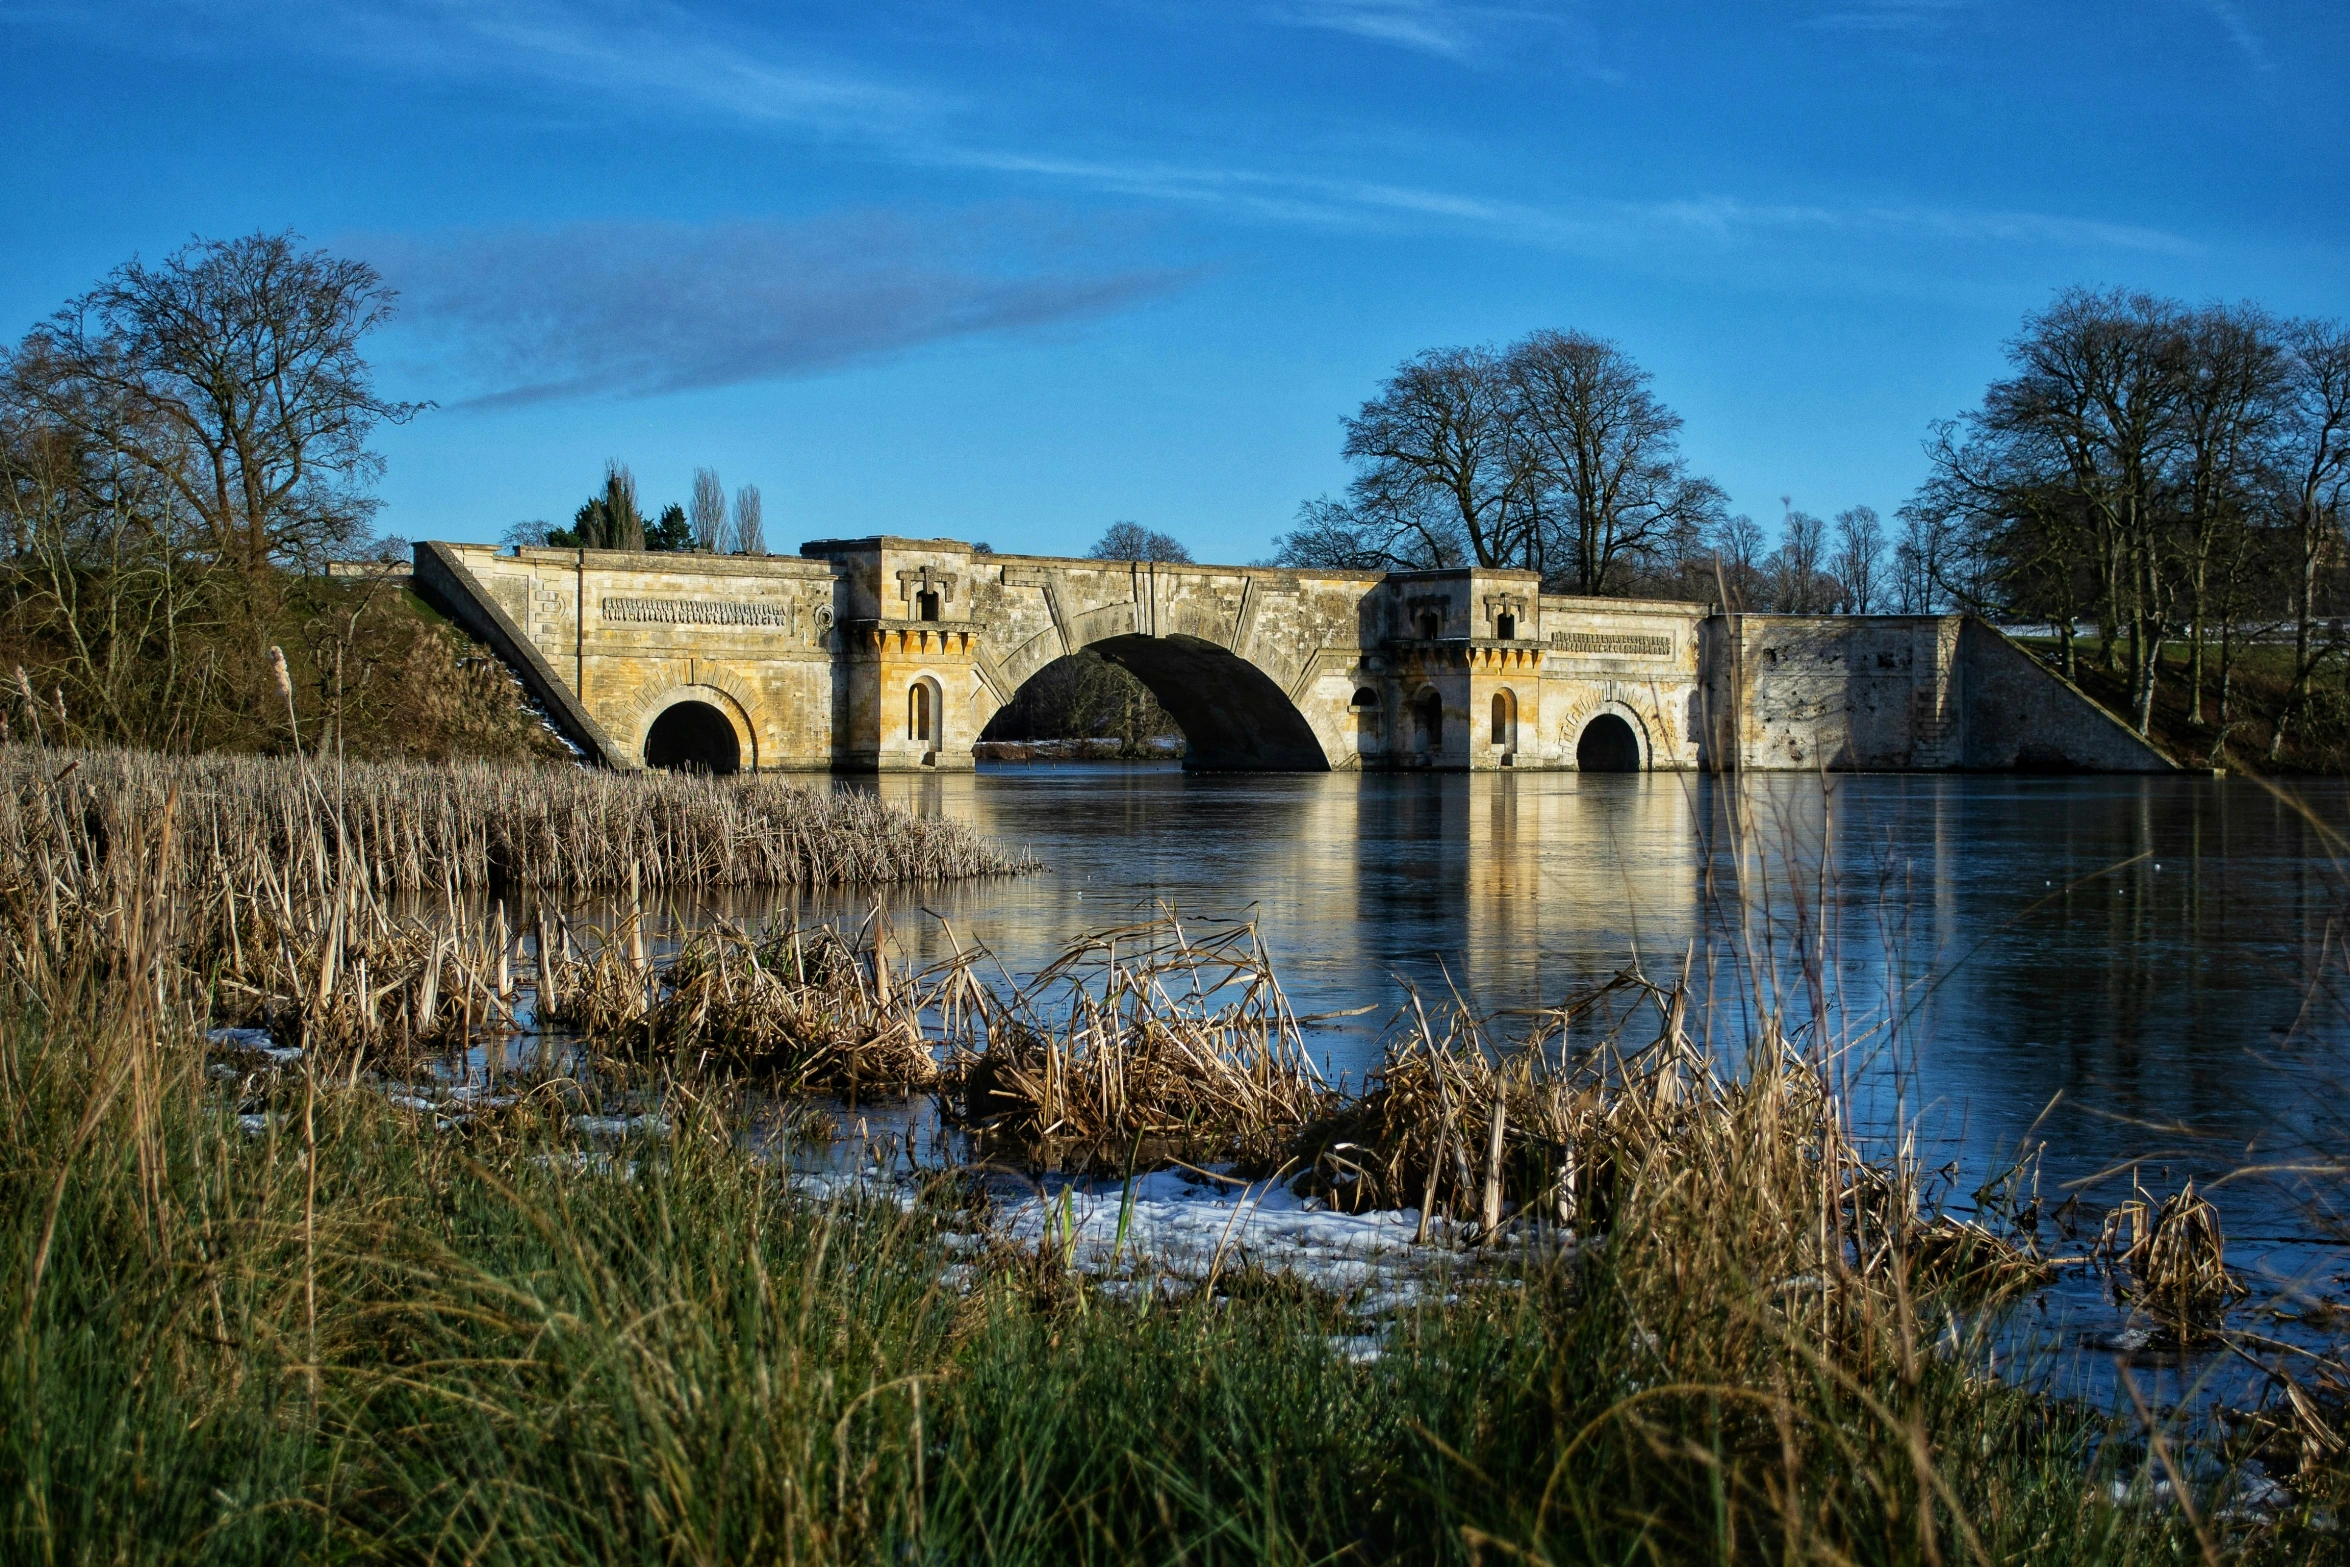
point(2255, 692)
point(1157, 748)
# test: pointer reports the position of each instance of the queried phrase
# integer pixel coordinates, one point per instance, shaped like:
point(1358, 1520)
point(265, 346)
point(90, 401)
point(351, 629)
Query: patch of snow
point(620, 1125)
point(252, 1042)
point(1181, 1225)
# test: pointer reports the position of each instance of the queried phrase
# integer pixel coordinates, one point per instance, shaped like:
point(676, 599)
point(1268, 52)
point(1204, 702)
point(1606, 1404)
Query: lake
point(2126, 972)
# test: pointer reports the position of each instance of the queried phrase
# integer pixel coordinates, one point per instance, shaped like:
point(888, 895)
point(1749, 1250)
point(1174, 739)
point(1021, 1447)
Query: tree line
point(2153, 471)
point(1555, 455)
point(611, 519)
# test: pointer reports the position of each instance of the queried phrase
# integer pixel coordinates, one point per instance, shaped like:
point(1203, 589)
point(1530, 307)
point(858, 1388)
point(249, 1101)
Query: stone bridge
point(883, 654)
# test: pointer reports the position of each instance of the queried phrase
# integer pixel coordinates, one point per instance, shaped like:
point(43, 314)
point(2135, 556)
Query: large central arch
point(1234, 718)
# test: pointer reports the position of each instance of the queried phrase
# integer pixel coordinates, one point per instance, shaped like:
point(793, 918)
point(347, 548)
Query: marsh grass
point(793, 1005)
point(1655, 1139)
point(363, 908)
point(352, 1338)
point(1138, 1045)
point(320, 829)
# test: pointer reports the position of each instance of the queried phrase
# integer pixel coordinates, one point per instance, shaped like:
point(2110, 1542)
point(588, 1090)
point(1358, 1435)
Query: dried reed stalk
point(2174, 1253)
point(1143, 1044)
point(794, 1004)
point(1651, 1138)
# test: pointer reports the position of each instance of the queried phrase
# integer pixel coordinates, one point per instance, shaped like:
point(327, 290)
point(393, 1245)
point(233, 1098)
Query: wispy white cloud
point(1462, 31)
point(2239, 29)
point(621, 58)
point(658, 53)
point(517, 316)
point(1900, 17)
point(1593, 224)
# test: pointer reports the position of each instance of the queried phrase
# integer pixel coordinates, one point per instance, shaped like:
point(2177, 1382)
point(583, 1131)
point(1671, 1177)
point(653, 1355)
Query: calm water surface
point(2127, 973)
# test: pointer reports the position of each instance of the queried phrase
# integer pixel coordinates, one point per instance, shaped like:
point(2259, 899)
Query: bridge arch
point(1232, 713)
point(1613, 740)
point(699, 727)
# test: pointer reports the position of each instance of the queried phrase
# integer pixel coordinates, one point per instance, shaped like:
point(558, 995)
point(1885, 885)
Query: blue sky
point(1012, 272)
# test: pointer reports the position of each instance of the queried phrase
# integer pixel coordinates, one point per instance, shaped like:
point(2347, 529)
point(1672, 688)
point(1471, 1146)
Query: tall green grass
point(350, 1336)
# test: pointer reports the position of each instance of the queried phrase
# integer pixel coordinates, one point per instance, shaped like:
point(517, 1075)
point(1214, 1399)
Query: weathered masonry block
point(887, 654)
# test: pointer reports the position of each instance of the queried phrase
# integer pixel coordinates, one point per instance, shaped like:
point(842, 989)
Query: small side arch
point(926, 715)
point(697, 727)
point(1613, 740)
point(1505, 721)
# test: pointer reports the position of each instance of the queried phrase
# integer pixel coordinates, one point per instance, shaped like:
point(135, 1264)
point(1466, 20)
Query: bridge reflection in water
point(1515, 889)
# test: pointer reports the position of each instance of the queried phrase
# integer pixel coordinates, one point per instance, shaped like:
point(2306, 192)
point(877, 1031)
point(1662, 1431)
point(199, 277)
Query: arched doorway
point(1428, 722)
point(693, 737)
point(1365, 708)
point(1608, 745)
point(1505, 721)
point(924, 710)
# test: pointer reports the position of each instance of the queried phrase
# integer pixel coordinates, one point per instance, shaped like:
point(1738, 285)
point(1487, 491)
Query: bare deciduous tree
point(708, 511)
point(1436, 457)
point(1333, 536)
point(1797, 585)
point(2312, 464)
point(1133, 541)
point(1610, 480)
point(1552, 455)
point(1737, 550)
point(1859, 561)
point(230, 373)
point(750, 528)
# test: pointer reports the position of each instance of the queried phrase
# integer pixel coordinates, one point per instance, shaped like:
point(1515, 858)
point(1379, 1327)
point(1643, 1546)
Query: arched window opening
point(1505, 626)
point(1428, 713)
point(1505, 720)
point(918, 715)
point(926, 605)
point(693, 737)
point(1608, 745)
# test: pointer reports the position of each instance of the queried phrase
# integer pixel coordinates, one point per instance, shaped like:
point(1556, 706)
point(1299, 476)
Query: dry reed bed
point(1157, 1042)
point(284, 876)
point(1137, 1045)
point(798, 1006)
point(389, 829)
point(1652, 1139)
point(1140, 1045)
point(1147, 1043)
